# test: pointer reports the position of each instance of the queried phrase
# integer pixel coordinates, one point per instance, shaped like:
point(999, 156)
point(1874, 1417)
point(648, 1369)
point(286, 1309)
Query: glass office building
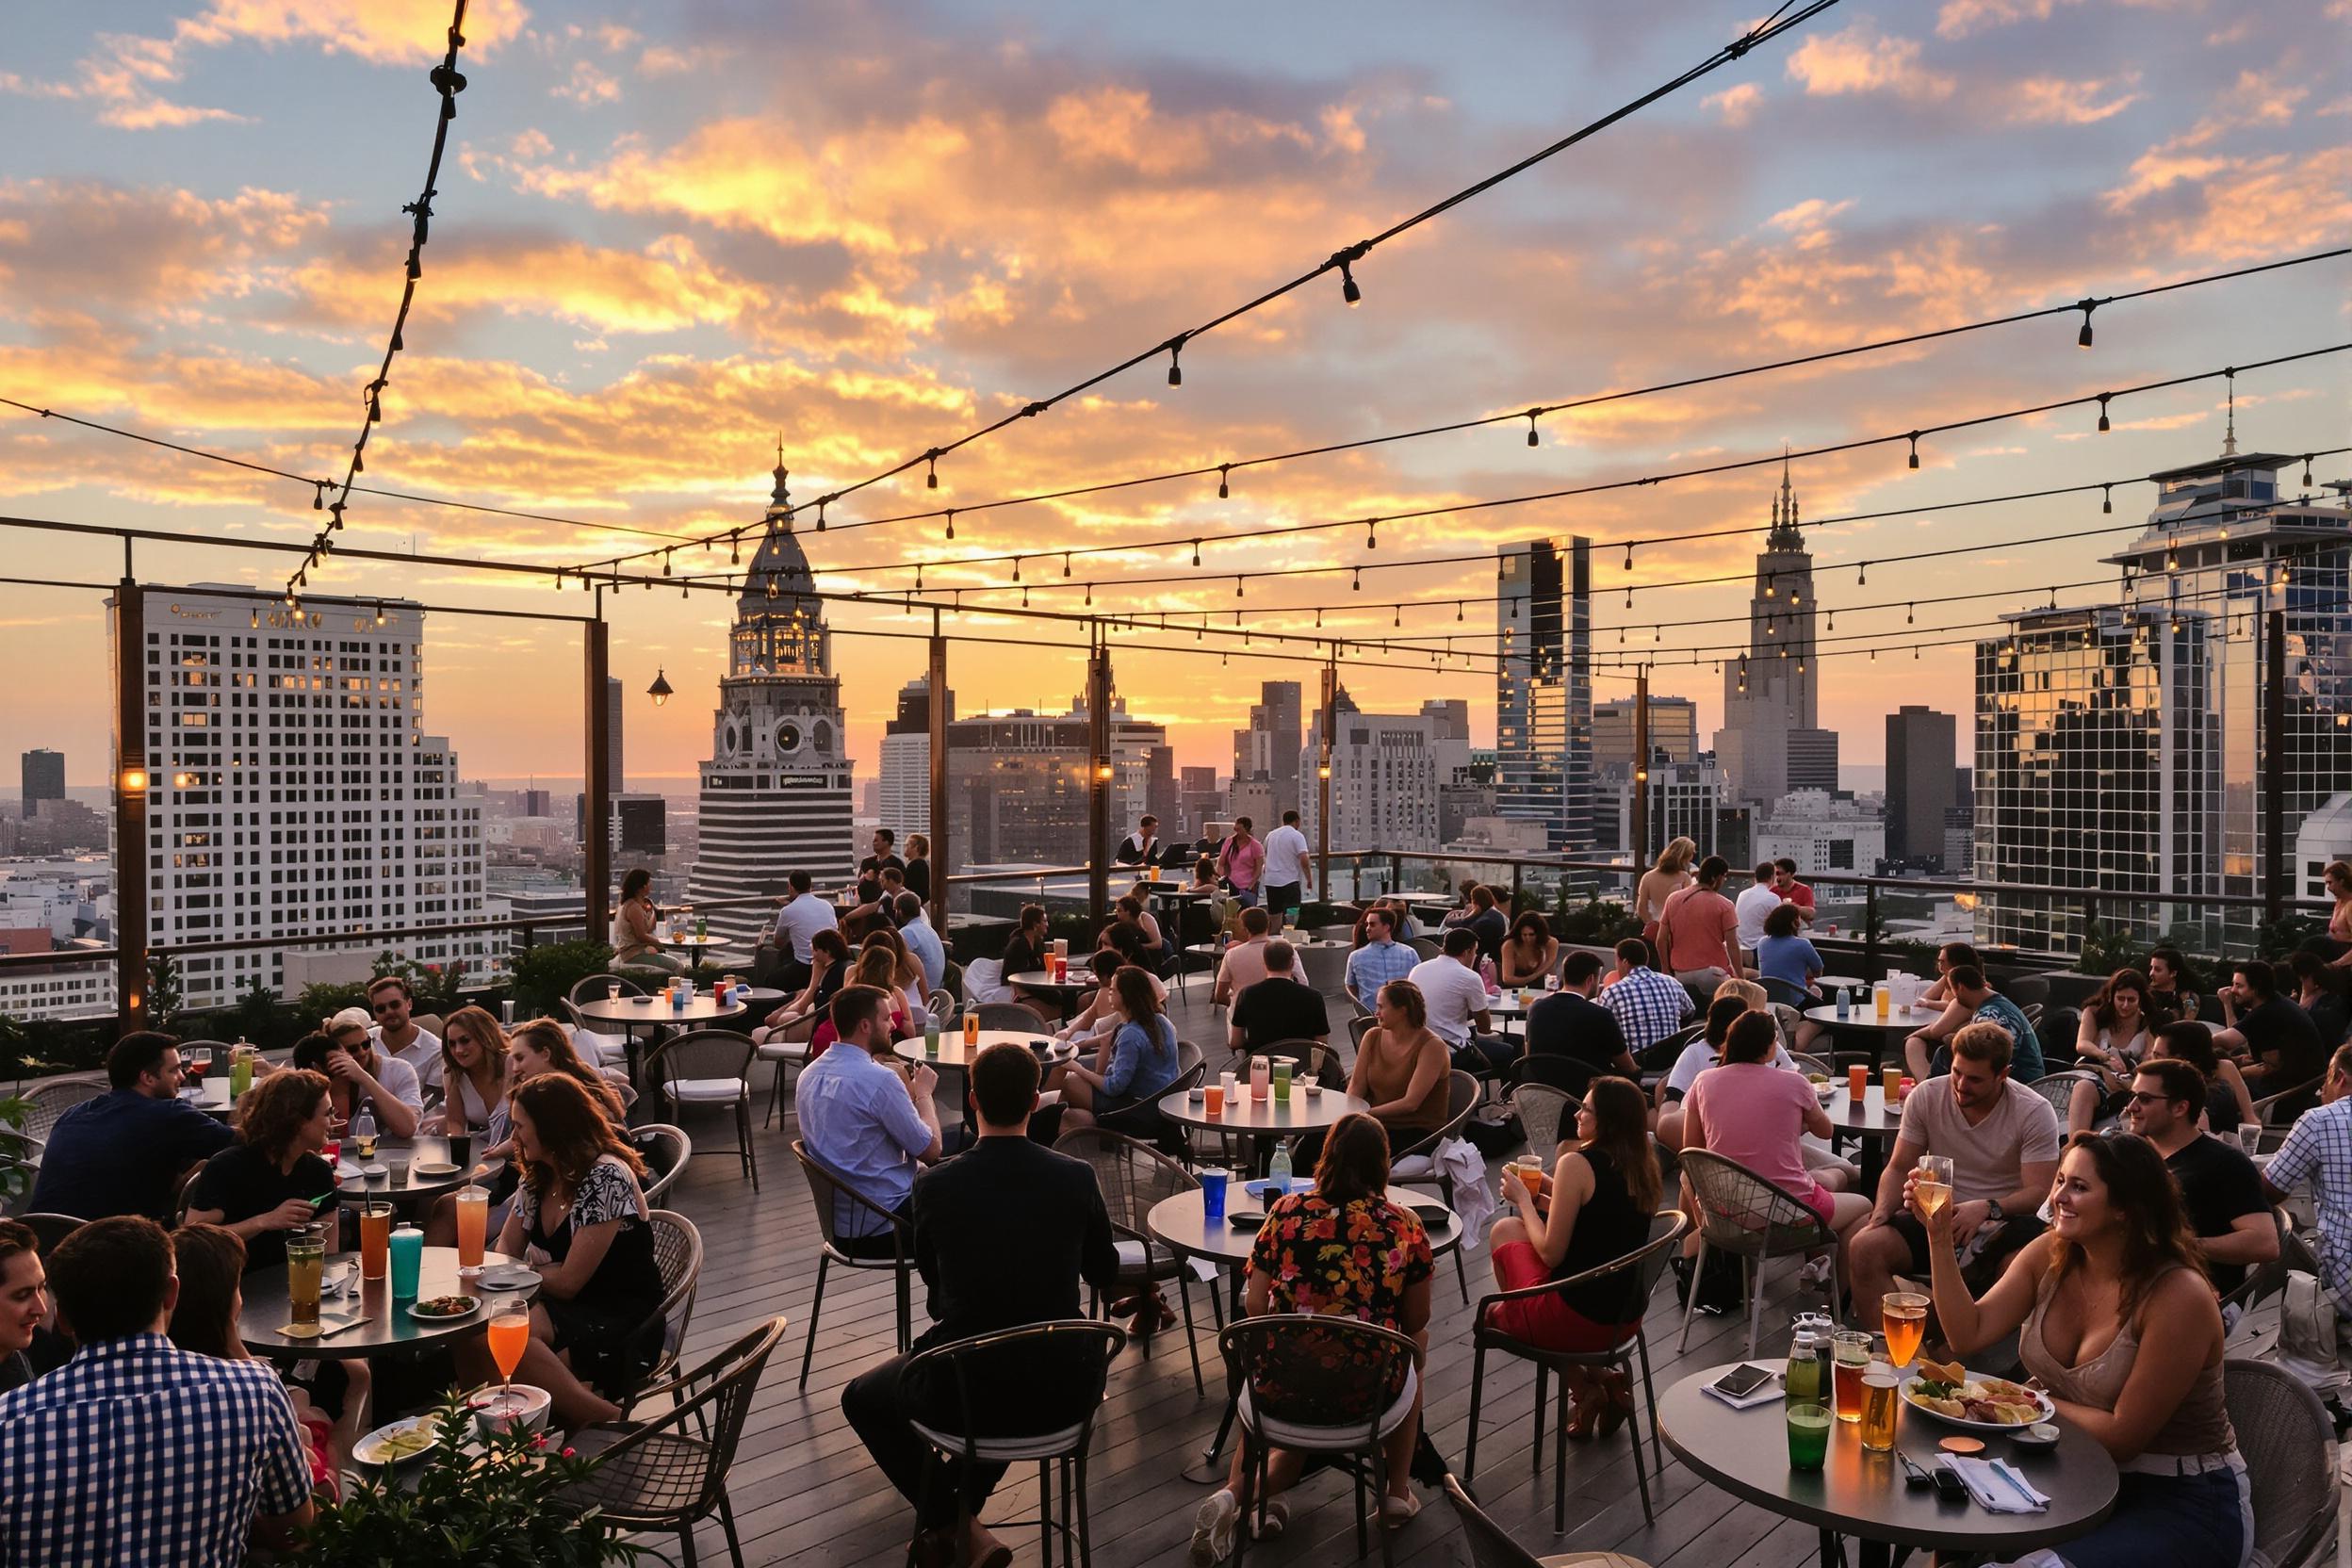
point(1544, 690)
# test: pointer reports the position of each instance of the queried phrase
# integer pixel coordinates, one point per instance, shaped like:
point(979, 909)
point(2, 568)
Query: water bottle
point(1277, 1173)
point(1808, 1375)
point(702, 926)
point(1486, 975)
point(364, 1132)
point(1845, 1002)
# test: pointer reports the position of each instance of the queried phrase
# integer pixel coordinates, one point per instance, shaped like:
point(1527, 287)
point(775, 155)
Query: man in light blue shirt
point(867, 1122)
point(1381, 960)
point(914, 929)
point(800, 919)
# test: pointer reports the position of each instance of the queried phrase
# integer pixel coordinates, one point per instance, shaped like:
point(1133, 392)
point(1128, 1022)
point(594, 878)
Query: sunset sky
point(668, 232)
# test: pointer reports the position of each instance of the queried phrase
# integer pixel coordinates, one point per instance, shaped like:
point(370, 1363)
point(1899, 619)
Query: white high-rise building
point(775, 793)
point(1385, 771)
point(294, 796)
point(1820, 832)
point(906, 804)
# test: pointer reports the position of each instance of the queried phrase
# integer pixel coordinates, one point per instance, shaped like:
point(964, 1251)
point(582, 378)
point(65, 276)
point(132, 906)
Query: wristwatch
point(1993, 1210)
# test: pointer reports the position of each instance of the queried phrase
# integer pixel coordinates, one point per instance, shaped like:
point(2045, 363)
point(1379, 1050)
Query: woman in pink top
point(1752, 1112)
point(1242, 860)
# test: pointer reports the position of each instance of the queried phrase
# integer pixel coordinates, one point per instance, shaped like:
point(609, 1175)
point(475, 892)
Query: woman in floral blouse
point(1340, 1249)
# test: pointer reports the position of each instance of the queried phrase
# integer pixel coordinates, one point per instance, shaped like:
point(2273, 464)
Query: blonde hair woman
point(1667, 877)
point(473, 1075)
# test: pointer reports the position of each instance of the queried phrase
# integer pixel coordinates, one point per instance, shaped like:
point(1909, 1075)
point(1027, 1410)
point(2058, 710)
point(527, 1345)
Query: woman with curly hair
point(270, 1180)
point(543, 1046)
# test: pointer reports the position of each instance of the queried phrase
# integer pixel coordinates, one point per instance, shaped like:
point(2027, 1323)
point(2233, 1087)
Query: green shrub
point(545, 973)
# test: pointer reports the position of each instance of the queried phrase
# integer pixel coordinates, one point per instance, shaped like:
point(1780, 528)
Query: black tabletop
point(386, 1327)
point(1872, 1119)
point(423, 1151)
point(1746, 1453)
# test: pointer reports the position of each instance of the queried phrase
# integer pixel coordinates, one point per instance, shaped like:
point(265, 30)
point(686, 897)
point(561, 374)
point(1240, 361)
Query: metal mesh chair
point(1543, 1109)
point(1659, 1055)
point(832, 1194)
point(1810, 1064)
point(939, 1005)
point(2058, 1088)
point(789, 1050)
point(1134, 1176)
point(1743, 1214)
point(1317, 1384)
point(1463, 1093)
point(678, 1254)
point(50, 1229)
point(2276, 1109)
point(1491, 1547)
point(2289, 1448)
point(1636, 1274)
point(665, 1151)
point(709, 1066)
point(1063, 1361)
point(651, 1474)
point(1360, 1026)
point(1142, 1119)
point(46, 1103)
point(1012, 1017)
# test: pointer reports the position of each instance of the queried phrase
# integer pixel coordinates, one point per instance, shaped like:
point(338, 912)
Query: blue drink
point(1212, 1196)
point(408, 1258)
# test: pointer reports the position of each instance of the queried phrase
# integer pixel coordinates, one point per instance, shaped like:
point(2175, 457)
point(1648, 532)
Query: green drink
point(240, 1074)
point(931, 1037)
point(1808, 1436)
point(1282, 1081)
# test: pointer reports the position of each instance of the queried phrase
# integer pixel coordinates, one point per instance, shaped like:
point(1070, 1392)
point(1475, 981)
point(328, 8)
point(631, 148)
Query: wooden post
point(1099, 775)
point(2276, 875)
point(596, 874)
point(1641, 823)
point(132, 853)
point(1323, 776)
point(940, 862)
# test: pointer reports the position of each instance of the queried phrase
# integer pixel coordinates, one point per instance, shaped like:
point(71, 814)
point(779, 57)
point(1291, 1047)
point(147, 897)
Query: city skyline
point(616, 330)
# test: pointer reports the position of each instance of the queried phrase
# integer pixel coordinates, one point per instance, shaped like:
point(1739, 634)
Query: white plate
point(2003, 1429)
point(475, 1311)
point(370, 1450)
point(509, 1278)
point(433, 1170)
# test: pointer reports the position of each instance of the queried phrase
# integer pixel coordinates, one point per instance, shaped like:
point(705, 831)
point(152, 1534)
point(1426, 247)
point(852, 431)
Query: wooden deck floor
point(804, 1492)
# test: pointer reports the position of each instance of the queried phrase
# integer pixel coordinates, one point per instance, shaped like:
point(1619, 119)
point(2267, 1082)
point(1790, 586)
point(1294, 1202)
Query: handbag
point(2306, 1320)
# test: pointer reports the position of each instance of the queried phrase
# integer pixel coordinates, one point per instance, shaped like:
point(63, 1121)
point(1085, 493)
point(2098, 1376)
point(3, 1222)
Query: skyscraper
point(1772, 742)
point(905, 806)
point(1270, 745)
point(1544, 690)
point(1674, 730)
point(1386, 770)
point(44, 778)
point(1920, 778)
point(775, 793)
point(1018, 786)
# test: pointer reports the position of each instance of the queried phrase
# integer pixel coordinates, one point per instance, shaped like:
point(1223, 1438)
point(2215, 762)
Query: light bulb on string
point(1175, 366)
point(2102, 409)
point(2083, 338)
point(951, 522)
point(1065, 563)
point(821, 504)
point(1907, 618)
point(2307, 470)
point(1195, 552)
point(1531, 435)
point(1016, 569)
point(1356, 585)
point(1236, 587)
point(1862, 578)
point(1224, 471)
point(931, 480)
point(2106, 496)
point(1915, 448)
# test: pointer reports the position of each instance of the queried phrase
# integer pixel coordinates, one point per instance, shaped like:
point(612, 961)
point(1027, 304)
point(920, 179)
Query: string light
point(2102, 409)
point(1531, 436)
point(951, 522)
point(2083, 338)
point(1223, 470)
point(931, 479)
point(1175, 366)
point(2106, 493)
point(1915, 448)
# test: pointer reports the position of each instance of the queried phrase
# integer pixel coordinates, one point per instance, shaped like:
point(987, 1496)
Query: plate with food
point(1948, 1392)
point(400, 1441)
point(443, 1309)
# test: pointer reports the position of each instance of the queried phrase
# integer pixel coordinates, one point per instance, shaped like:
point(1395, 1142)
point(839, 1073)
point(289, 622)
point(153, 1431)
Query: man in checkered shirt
point(136, 1452)
point(1647, 1005)
point(2319, 1149)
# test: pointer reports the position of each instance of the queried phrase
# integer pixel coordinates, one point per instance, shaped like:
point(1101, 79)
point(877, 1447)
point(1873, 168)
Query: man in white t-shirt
point(1457, 1001)
point(1287, 877)
point(1754, 906)
point(2003, 1142)
point(396, 1036)
point(803, 916)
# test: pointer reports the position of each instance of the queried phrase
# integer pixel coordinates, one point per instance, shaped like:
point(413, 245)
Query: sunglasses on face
point(387, 1007)
point(2140, 1099)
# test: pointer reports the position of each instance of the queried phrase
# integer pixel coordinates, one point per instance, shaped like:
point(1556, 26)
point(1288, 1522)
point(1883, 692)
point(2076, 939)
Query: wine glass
point(508, 1332)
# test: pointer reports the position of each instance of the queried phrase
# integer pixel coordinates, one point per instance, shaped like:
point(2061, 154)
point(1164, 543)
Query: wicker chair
point(1072, 1359)
point(1316, 1384)
point(1134, 1176)
point(2289, 1443)
point(651, 1474)
point(665, 1151)
point(2058, 1088)
point(1743, 1214)
point(709, 1066)
point(45, 1103)
point(1636, 1274)
point(1810, 1065)
point(788, 1049)
point(678, 1253)
point(1491, 1546)
point(1014, 1018)
point(2275, 1110)
point(1541, 1108)
point(1463, 1092)
point(829, 1190)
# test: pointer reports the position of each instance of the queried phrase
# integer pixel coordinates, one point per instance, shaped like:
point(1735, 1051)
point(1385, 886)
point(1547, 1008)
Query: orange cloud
point(383, 32)
point(1737, 105)
point(2052, 100)
point(1863, 60)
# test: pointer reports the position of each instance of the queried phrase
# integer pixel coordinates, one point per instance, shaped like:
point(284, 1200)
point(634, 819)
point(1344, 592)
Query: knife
point(2001, 1468)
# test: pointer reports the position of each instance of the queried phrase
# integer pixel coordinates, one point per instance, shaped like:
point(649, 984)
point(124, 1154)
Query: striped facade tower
point(775, 793)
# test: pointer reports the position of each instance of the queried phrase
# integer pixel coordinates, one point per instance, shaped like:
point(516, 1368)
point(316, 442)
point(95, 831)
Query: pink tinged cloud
point(1862, 59)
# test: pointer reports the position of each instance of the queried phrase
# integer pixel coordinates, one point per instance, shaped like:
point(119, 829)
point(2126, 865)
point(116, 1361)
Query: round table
point(210, 1095)
point(1261, 1121)
point(1829, 984)
point(1873, 1124)
point(1746, 1453)
point(954, 1058)
point(653, 1012)
point(1064, 992)
point(385, 1326)
point(427, 1150)
point(698, 944)
point(1863, 1023)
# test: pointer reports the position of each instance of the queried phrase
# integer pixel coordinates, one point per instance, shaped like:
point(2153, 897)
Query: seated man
point(867, 1118)
point(1278, 1007)
point(127, 1150)
point(137, 1451)
point(1456, 998)
point(2219, 1186)
point(2003, 1142)
point(1245, 961)
point(797, 923)
point(397, 1035)
point(914, 929)
point(1482, 916)
point(1570, 1024)
point(1647, 1005)
point(1381, 960)
point(2278, 1043)
point(2319, 1151)
point(363, 1072)
point(1003, 1235)
point(1973, 1000)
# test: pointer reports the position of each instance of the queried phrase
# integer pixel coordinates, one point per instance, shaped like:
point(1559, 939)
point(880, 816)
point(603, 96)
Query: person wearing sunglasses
point(2219, 1186)
point(395, 1034)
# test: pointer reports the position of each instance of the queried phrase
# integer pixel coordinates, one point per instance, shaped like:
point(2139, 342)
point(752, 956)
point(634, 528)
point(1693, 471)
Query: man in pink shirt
point(1241, 862)
point(1698, 927)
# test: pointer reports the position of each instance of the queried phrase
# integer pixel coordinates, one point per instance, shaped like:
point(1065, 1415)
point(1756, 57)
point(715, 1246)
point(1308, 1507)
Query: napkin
point(1996, 1486)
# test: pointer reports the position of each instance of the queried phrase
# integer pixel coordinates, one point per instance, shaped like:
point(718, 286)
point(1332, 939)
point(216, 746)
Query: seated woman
point(580, 1220)
point(2111, 1039)
point(542, 1046)
point(1528, 953)
point(2320, 991)
point(905, 974)
point(2229, 1103)
point(635, 944)
point(1204, 877)
point(1402, 1067)
point(270, 1180)
point(1756, 1113)
point(829, 967)
point(210, 1262)
point(24, 1303)
point(1949, 956)
point(473, 1076)
point(1338, 1248)
point(2171, 984)
point(1603, 1192)
point(2117, 1272)
point(1134, 1067)
point(875, 967)
point(1788, 964)
point(1135, 909)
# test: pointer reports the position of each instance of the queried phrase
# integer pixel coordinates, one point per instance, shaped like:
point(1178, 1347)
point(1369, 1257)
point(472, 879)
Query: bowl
point(1314, 1090)
point(522, 1407)
point(2041, 1434)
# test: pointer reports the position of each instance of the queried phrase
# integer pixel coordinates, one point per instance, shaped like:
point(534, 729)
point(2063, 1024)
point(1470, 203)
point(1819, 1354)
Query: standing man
point(1381, 960)
point(1241, 861)
point(1288, 877)
point(125, 1152)
point(869, 869)
point(801, 919)
point(1757, 901)
point(395, 1034)
point(1698, 929)
point(1142, 846)
point(1004, 1234)
point(2219, 1186)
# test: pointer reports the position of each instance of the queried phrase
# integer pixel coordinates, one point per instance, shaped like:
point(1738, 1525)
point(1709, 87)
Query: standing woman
point(580, 1220)
point(1133, 1066)
point(2336, 946)
point(919, 866)
point(473, 1075)
point(633, 939)
point(1530, 951)
point(1667, 877)
point(2115, 1317)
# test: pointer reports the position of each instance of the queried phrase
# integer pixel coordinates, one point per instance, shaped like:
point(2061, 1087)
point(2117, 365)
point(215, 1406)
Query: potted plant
point(497, 1503)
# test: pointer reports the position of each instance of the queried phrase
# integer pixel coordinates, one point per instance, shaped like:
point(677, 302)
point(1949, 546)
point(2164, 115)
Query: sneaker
point(1276, 1521)
point(1397, 1512)
point(1815, 1275)
point(1213, 1529)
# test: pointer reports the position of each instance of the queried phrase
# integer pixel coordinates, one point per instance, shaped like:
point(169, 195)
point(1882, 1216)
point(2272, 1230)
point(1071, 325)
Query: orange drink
point(508, 1332)
point(1851, 1351)
point(1931, 1182)
point(473, 1224)
point(1214, 1094)
point(1903, 1314)
point(1893, 1086)
point(375, 1241)
point(1879, 1408)
point(972, 1029)
point(1857, 1081)
point(305, 1271)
